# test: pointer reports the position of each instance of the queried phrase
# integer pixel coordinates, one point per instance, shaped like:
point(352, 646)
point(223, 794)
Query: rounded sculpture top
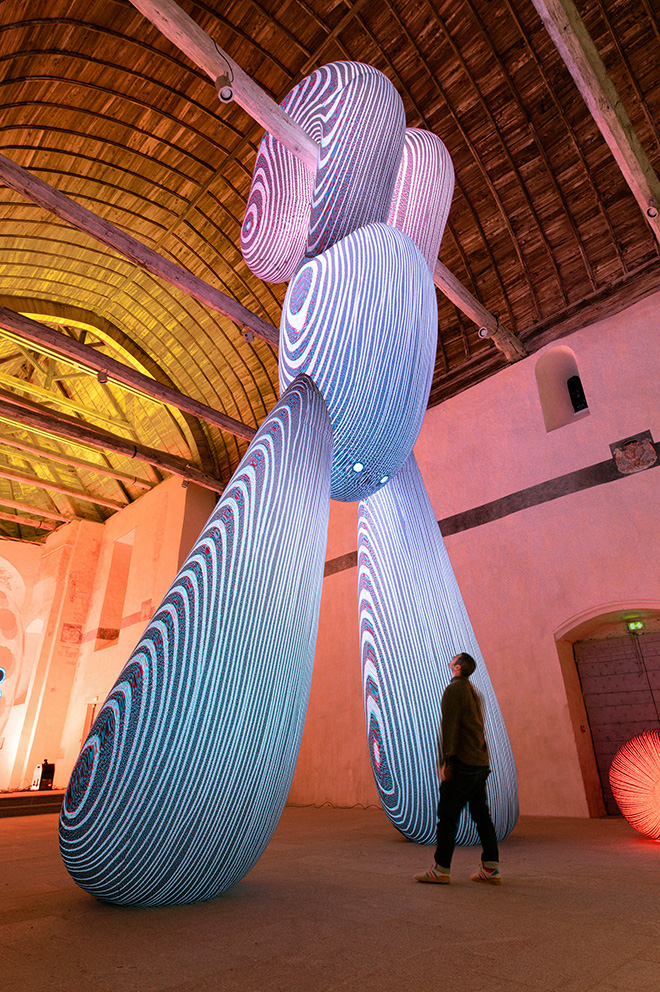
point(361, 321)
point(357, 119)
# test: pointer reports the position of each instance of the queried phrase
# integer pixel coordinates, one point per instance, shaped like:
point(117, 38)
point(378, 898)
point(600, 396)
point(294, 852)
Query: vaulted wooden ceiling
point(544, 230)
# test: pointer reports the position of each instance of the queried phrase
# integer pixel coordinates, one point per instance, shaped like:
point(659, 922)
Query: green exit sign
point(635, 625)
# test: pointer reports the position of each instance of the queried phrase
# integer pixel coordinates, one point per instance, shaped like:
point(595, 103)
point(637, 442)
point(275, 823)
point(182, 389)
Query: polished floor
point(331, 907)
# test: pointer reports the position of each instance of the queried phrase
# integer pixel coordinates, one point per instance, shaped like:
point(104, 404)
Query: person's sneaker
point(489, 872)
point(434, 874)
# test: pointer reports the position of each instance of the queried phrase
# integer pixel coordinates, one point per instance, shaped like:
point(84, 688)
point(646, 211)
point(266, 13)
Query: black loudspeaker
point(576, 393)
point(47, 774)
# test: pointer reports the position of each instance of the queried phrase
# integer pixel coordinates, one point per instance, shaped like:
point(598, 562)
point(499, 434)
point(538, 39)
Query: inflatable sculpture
point(186, 770)
point(635, 781)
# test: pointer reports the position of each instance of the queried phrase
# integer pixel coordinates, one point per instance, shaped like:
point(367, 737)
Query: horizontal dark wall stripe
point(563, 485)
point(572, 482)
point(340, 564)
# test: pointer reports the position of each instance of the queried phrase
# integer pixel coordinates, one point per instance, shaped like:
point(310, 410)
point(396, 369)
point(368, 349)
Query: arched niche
point(560, 388)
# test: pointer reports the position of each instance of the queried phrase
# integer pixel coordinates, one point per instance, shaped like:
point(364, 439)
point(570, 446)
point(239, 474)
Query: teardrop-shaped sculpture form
point(412, 622)
point(184, 775)
point(361, 320)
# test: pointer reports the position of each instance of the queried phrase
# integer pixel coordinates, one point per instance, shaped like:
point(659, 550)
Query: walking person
point(463, 774)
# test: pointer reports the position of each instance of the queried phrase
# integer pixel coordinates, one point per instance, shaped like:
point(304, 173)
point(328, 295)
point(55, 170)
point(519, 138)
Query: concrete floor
point(331, 907)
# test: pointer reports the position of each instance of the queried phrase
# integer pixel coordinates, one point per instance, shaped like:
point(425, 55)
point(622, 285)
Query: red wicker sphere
point(635, 781)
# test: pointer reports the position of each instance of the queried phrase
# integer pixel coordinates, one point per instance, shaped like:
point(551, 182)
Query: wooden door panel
point(621, 687)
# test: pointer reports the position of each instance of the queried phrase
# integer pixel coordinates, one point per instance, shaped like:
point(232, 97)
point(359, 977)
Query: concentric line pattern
point(361, 321)
point(422, 192)
point(274, 231)
point(356, 117)
point(412, 622)
point(186, 770)
point(635, 781)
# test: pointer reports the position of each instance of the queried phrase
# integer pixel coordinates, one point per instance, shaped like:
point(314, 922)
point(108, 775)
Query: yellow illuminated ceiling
point(543, 228)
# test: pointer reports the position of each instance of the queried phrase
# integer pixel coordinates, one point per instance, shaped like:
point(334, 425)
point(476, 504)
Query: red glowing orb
point(635, 781)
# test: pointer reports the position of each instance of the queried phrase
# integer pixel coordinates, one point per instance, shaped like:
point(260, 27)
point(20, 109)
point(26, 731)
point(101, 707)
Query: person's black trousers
point(466, 785)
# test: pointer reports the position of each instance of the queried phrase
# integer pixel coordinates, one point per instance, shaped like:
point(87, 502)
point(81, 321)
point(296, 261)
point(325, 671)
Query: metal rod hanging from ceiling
point(228, 76)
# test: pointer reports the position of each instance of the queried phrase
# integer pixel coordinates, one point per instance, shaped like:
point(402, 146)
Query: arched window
point(560, 388)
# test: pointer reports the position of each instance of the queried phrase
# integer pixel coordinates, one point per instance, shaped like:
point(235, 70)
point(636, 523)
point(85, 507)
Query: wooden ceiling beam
point(110, 369)
point(54, 487)
point(38, 512)
point(232, 83)
point(572, 40)
point(228, 76)
point(16, 518)
point(489, 326)
point(77, 463)
point(20, 411)
point(84, 220)
point(48, 396)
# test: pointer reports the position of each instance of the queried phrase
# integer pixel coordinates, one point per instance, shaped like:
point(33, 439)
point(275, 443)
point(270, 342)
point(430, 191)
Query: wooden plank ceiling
point(543, 229)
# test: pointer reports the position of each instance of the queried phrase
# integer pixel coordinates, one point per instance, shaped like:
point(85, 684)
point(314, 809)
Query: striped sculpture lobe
point(361, 321)
point(412, 622)
point(185, 773)
point(635, 781)
point(422, 192)
point(356, 117)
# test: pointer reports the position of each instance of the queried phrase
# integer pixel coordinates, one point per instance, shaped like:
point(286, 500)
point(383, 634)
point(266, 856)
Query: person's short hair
point(467, 663)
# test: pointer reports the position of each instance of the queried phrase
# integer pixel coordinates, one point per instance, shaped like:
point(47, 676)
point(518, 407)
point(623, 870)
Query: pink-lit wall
point(152, 527)
point(532, 580)
point(85, 576)
point(527, 579)
point(333, 766)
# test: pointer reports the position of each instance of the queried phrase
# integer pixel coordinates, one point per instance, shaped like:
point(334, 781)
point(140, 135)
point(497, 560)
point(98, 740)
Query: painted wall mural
point(12, 641)
point(185, 772)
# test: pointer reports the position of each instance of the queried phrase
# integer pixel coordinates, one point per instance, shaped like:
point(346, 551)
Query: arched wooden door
point(620, 678)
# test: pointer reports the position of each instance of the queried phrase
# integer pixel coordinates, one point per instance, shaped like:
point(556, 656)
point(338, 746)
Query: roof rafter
point(37, 511)
point(43, 454)
point(48, 396)
point(187, 35)
point(16, 518)
point(53, 487)
point(85, 220)
point(109, 368)
point(574, 44)
point(20, 411)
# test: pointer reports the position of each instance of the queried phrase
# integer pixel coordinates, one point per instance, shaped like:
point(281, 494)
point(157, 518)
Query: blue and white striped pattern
point(361, 321)
point(356, 117)
point(186, 770)
point(422, 192)
point(412, 622)
point(274, 231)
